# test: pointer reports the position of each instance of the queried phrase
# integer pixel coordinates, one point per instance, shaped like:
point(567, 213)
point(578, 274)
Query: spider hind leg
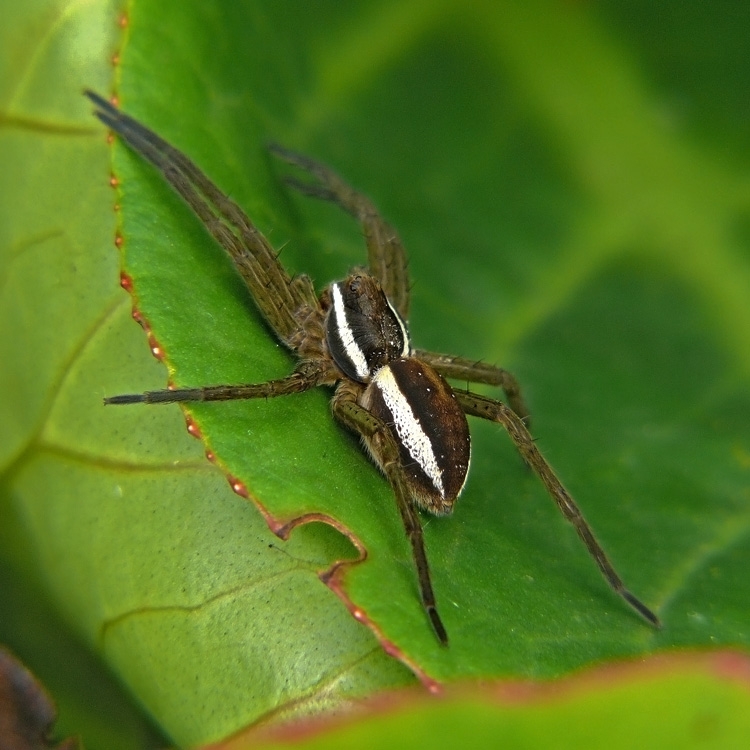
point(496, 411)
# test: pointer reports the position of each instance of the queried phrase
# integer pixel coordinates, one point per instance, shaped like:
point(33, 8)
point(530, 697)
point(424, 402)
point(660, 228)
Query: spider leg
point(277, 295)
point(471, 371)
point(385, 451)
point(386, 256)
point(302, 379)
point(495, 411)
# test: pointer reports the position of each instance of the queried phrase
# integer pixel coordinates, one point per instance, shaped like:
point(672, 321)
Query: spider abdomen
point(419, 408)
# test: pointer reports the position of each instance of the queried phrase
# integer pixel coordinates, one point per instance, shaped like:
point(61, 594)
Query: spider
point(354, 338)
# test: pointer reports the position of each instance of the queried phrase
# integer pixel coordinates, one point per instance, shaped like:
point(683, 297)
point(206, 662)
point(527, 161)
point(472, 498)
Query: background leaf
point(572, 194)
point(705, 698)
point(56, 285)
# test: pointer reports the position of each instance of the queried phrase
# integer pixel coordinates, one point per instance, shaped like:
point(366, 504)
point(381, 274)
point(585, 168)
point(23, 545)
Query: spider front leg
point(495, 411)
point(385, 252)
point(278, 296)
point(384, 450)
point(471, 371)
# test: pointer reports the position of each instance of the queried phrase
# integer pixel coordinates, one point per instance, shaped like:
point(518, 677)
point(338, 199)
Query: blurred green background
point(570, 181)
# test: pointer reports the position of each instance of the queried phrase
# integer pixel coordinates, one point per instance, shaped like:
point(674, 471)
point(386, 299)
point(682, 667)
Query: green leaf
point(673, 702)
point(569, 212)
point(55, 284)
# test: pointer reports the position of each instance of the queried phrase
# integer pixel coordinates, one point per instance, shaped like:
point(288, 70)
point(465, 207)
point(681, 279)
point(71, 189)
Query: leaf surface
point(557, 223)
point(675, 702)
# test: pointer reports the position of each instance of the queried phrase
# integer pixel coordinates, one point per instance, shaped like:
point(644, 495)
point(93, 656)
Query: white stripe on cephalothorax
point(355, 354)
point(408, 427)
point(406, 350)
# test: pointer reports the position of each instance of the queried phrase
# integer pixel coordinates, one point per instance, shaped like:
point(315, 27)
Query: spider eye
point(363, 330)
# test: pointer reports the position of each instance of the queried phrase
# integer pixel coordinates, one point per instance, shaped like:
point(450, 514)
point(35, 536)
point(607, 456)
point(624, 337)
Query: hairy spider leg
point(302, 379)
point(472, 371)
point(278, 297)
point(496, 411)
point(386, 257)
point(381, 443)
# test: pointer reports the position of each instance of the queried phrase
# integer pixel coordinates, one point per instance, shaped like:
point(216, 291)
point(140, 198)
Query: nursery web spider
point(354, 338)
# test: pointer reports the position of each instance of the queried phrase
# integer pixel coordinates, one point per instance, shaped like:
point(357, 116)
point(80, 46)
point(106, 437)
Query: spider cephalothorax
point(355, 338)
point(363, 330)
